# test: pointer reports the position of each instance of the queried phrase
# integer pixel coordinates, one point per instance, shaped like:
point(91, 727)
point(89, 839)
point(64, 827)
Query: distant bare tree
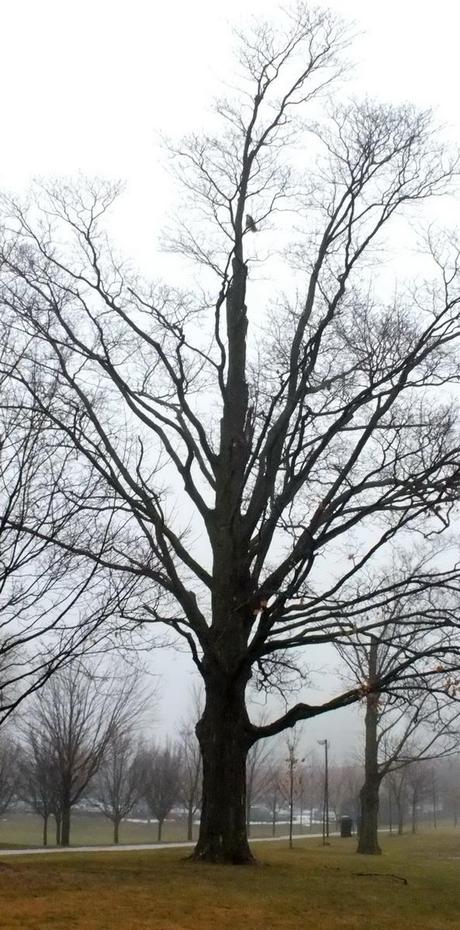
point(161, 779)
point(274, 789)
point(77, 714)
point(116, 788)
point(9, 770)
point(434, 792)
point(257, 773)
point(290, 782)
point(311, 784)
point(191, 775)
point(191, 782)
point(397, 783)
point(417, 784)
point(451, 781)
point(345, 781)
point(39, 779)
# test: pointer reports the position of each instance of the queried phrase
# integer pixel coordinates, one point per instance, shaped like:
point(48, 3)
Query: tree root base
point(218, 857)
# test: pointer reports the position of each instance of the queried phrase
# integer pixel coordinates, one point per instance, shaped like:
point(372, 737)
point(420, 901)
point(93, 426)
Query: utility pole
point(292, 763)
point(301, 800)
point(324, 742)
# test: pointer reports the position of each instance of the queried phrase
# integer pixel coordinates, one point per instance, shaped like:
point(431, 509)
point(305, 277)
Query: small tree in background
point(397, 784)
point(9, 787)
point(190, 775)
point(160, 771)
point(77, 714)
point(191, 782)
point(417, 783)
point(257, 774)
point(40, 780)
point(117, 787)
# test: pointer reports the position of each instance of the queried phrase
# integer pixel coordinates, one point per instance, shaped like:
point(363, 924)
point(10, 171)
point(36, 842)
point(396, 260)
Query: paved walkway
point(50, 850)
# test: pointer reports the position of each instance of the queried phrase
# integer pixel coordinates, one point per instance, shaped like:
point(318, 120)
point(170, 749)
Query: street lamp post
point(301, 802)
point(324, 742)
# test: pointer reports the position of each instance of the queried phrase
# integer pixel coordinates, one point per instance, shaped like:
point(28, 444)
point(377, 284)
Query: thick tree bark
point(224, 742)
point(368, 834)
point(65, 825)
point(160, 830)
point(223, 731)
point(368, 843)
point(57, 818)
point(116, 832)
point(45, 829)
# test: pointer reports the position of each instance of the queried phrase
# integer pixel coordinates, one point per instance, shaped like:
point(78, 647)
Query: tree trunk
point(65, 825)
point(435, 804)
point(224, 730)
point(116, 832)
point(160, 830)
point(57, 818)
point(45, 829)
point(224, 741)
point(368, 833)
point(400, 804)
point(368, 843)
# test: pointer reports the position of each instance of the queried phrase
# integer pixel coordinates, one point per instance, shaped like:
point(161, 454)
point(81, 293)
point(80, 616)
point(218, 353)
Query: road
point(52, 850)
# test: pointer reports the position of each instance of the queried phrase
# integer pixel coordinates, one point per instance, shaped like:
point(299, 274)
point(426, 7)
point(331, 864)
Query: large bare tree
point(241, 443)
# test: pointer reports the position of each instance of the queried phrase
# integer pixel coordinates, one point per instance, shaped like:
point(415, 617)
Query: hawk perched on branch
point(250, 223)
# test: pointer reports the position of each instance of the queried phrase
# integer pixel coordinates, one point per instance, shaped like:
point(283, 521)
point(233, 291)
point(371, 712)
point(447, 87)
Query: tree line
point(81, 739)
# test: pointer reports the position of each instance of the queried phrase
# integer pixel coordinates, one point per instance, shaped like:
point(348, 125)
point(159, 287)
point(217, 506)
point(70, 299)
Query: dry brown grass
point(308, 888)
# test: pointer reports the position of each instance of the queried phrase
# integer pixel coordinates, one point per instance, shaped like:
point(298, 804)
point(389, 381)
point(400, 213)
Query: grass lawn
point(307, 888)
point(18, 828)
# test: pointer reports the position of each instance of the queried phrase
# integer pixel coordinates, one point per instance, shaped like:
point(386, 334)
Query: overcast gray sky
point(87, 86)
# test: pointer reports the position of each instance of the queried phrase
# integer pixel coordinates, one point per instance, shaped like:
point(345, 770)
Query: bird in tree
point(250, 224)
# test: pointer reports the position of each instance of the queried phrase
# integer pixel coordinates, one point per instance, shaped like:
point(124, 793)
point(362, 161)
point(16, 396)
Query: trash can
point(346, 826)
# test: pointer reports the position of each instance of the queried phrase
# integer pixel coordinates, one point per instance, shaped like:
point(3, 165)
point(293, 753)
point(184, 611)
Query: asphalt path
point(52, 850)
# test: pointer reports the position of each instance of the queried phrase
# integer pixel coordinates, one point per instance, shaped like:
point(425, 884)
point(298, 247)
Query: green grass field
point(21, 829)
point(415, 885)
